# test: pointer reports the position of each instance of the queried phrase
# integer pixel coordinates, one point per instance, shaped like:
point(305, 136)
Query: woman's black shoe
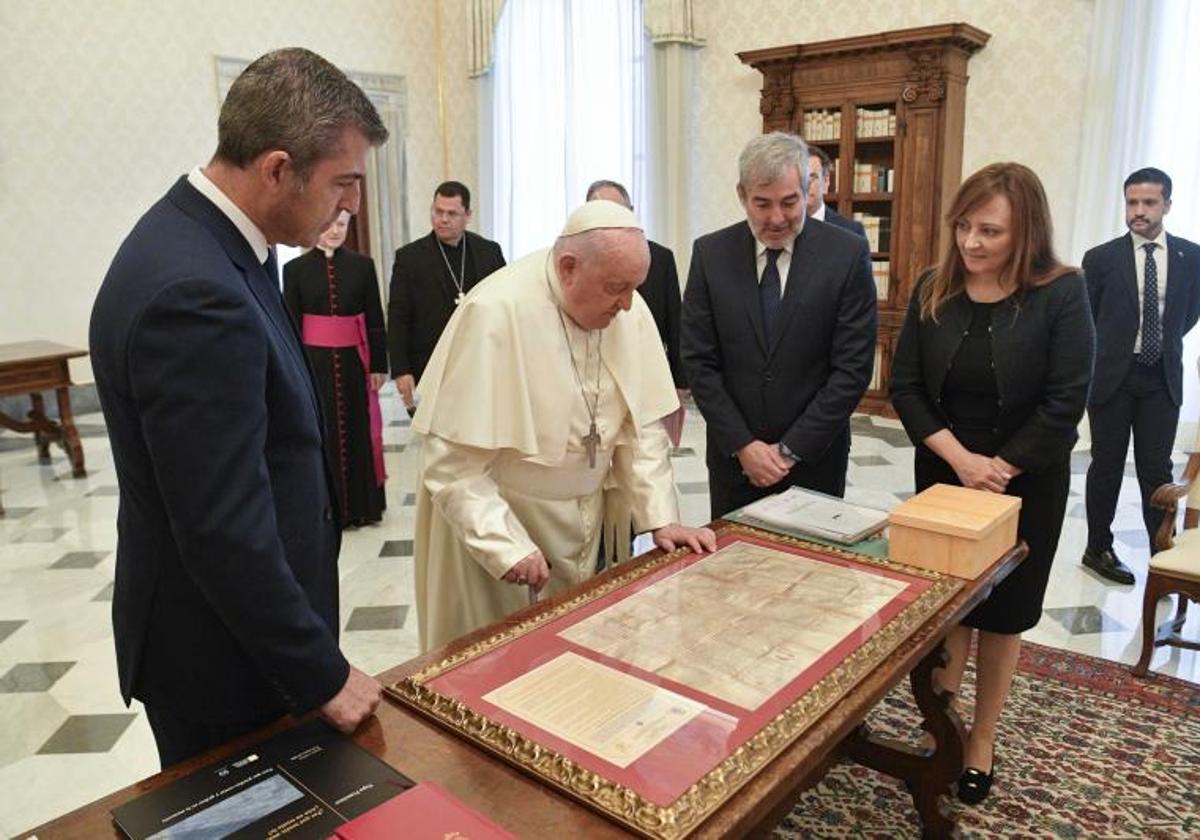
point(974, 785)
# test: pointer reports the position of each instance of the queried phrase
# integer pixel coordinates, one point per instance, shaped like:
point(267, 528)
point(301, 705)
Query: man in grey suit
point(777, 335)
point(1144, 289)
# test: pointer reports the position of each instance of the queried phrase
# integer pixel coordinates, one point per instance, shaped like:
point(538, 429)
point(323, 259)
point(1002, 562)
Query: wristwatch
point(787, 453)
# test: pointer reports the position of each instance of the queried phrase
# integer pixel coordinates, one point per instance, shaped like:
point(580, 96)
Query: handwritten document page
point(741, 623)
point(610, 714)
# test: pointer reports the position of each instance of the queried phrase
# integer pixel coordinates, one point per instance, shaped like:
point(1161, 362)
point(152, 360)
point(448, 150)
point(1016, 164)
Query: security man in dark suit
point(660, 289)
point(1145, 294)
point(778, 335)
point(430, 276)
point(225, 608)
point(819, 165)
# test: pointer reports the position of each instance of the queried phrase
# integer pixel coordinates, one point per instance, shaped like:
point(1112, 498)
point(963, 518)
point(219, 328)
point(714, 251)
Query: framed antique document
point(655, 695)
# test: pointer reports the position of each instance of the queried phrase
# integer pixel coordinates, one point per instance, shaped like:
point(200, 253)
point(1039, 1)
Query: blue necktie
point(769, 293)
point(271, 266)
point(1151, 322)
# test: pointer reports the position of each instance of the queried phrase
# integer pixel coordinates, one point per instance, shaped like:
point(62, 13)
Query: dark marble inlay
point(17, 512)
point(402, 423)
point(397, 548)
point(79, 560)
point(870, 460)
point(41, 535)
point(378, 618)
point(28, 677)
point(682, 451)
point(410, 499)
point(692, 488)
point(7, 628)
point(105, 594)
point(1079, 621)
point(865, 426)
point(394, 447)
point(106, 490)
point(87, 734)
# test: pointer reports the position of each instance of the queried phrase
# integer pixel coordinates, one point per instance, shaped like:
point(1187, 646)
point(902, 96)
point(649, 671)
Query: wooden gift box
point(953, 530)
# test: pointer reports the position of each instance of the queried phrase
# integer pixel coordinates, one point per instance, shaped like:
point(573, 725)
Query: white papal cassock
point(502, 469)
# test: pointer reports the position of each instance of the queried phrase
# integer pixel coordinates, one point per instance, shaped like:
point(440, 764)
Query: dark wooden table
point(425, 752)
point(31, 367)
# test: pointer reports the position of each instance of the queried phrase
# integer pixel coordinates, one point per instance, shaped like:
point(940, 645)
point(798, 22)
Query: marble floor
point(67, 738)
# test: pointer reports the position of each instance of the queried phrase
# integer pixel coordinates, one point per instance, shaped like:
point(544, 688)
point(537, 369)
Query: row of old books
point(878, 230)
point(874, 122)
point(873, 178)
point(822, 125)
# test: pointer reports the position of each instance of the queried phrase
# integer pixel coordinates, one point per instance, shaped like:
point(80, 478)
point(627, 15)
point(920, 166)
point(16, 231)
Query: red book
point(425, 812)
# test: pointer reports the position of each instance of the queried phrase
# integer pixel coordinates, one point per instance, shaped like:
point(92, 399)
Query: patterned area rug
point(1085, 751)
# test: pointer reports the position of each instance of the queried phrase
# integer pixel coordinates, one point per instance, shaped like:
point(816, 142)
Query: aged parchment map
point(739, 624)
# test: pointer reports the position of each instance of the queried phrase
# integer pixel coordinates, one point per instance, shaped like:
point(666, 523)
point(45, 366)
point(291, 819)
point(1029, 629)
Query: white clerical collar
point(1160, 240)
point(820, 214)
point(225, 204)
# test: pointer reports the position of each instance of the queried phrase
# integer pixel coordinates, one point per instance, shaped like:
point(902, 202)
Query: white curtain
point(567, 108)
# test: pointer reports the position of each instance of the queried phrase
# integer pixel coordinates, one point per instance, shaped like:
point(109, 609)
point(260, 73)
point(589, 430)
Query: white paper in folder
point(817, 514)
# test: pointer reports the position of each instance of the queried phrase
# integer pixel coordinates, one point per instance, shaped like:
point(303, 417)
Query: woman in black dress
point(990, 378)
point(334, 296)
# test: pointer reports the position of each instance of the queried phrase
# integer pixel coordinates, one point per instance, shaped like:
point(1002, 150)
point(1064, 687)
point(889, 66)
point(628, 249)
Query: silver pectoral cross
point(590, 441)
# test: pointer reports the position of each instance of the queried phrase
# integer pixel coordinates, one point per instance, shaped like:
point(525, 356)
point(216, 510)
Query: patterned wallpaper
point(1024, 98)
point(106, 103)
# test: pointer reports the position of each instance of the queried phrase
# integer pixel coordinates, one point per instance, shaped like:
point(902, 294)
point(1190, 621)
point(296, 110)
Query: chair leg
point(1180, 611)
point(1154, 590)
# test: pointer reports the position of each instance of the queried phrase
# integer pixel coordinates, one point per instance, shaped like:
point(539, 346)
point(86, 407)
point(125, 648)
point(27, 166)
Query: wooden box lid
point(957, 511)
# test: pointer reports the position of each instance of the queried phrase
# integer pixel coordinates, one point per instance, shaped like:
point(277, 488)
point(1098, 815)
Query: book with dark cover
point(424, 813)
point(301, 784)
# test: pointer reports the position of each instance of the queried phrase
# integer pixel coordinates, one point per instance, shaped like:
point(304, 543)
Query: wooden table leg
point(70, 433)
point(39, 422)
point(927, 776)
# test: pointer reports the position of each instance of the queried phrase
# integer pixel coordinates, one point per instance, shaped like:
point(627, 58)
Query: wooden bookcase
point(888, 108)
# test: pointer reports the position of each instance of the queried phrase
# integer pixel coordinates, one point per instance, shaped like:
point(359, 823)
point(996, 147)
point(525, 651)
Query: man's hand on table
point(532, 570)
point(673, 536)
point(354, 703)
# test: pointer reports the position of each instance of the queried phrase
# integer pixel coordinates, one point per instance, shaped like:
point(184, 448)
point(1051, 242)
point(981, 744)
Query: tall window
point(568, 108)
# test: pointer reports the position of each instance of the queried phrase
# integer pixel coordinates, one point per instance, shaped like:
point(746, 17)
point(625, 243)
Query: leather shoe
point(1106, 564)
point(974, 785)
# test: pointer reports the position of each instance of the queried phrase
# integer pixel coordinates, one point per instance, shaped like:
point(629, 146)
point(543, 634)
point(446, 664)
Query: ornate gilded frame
point(618, 802)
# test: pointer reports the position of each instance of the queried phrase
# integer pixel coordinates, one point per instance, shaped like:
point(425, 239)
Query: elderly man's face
point(598, 285)
point(775, 209)
point(334, 185)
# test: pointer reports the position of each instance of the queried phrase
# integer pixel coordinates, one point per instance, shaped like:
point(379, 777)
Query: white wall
point(105, 104)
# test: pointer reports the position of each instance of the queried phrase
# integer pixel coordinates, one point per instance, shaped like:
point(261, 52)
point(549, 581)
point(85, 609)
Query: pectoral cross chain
point(590, 441)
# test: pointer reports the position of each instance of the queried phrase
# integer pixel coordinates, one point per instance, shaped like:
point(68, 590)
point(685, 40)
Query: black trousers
point(179, 739)
point(1143, 406)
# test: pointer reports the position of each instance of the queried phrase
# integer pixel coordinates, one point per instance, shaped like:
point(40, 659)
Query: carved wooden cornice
point(935, 39)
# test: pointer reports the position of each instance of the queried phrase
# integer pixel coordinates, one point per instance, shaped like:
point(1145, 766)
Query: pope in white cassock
point(549, 380)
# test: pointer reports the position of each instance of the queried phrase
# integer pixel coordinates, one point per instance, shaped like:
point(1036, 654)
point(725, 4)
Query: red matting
point(667, 770)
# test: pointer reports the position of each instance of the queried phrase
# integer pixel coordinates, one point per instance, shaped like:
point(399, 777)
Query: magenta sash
point(351, 331)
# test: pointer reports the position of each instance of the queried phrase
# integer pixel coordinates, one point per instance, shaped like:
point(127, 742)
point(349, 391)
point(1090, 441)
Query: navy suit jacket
point(661, 293)
point(225, 607)
point(833, 217)
point(802, 389)
point(1113, 293)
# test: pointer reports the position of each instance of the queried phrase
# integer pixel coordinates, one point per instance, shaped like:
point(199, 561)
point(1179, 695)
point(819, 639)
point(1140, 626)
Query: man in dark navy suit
point(660, 289)
point(777, 335)
point(819, 165)
point(1145, 294)
point(225, 609)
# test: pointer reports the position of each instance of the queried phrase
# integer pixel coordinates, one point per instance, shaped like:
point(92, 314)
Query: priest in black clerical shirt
point(429, 278)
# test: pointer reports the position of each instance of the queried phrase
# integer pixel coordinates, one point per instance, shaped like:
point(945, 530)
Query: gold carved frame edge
point(712, 790)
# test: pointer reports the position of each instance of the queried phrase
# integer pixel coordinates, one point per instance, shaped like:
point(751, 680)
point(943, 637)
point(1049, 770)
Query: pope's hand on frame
point(532, 570)
point(671, 537)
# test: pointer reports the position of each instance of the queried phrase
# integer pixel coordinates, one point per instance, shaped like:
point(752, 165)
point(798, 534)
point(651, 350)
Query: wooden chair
point(1175, 569)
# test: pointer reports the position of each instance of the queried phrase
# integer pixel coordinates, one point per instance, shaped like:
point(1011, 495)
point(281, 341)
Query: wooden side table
point(30, 367)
